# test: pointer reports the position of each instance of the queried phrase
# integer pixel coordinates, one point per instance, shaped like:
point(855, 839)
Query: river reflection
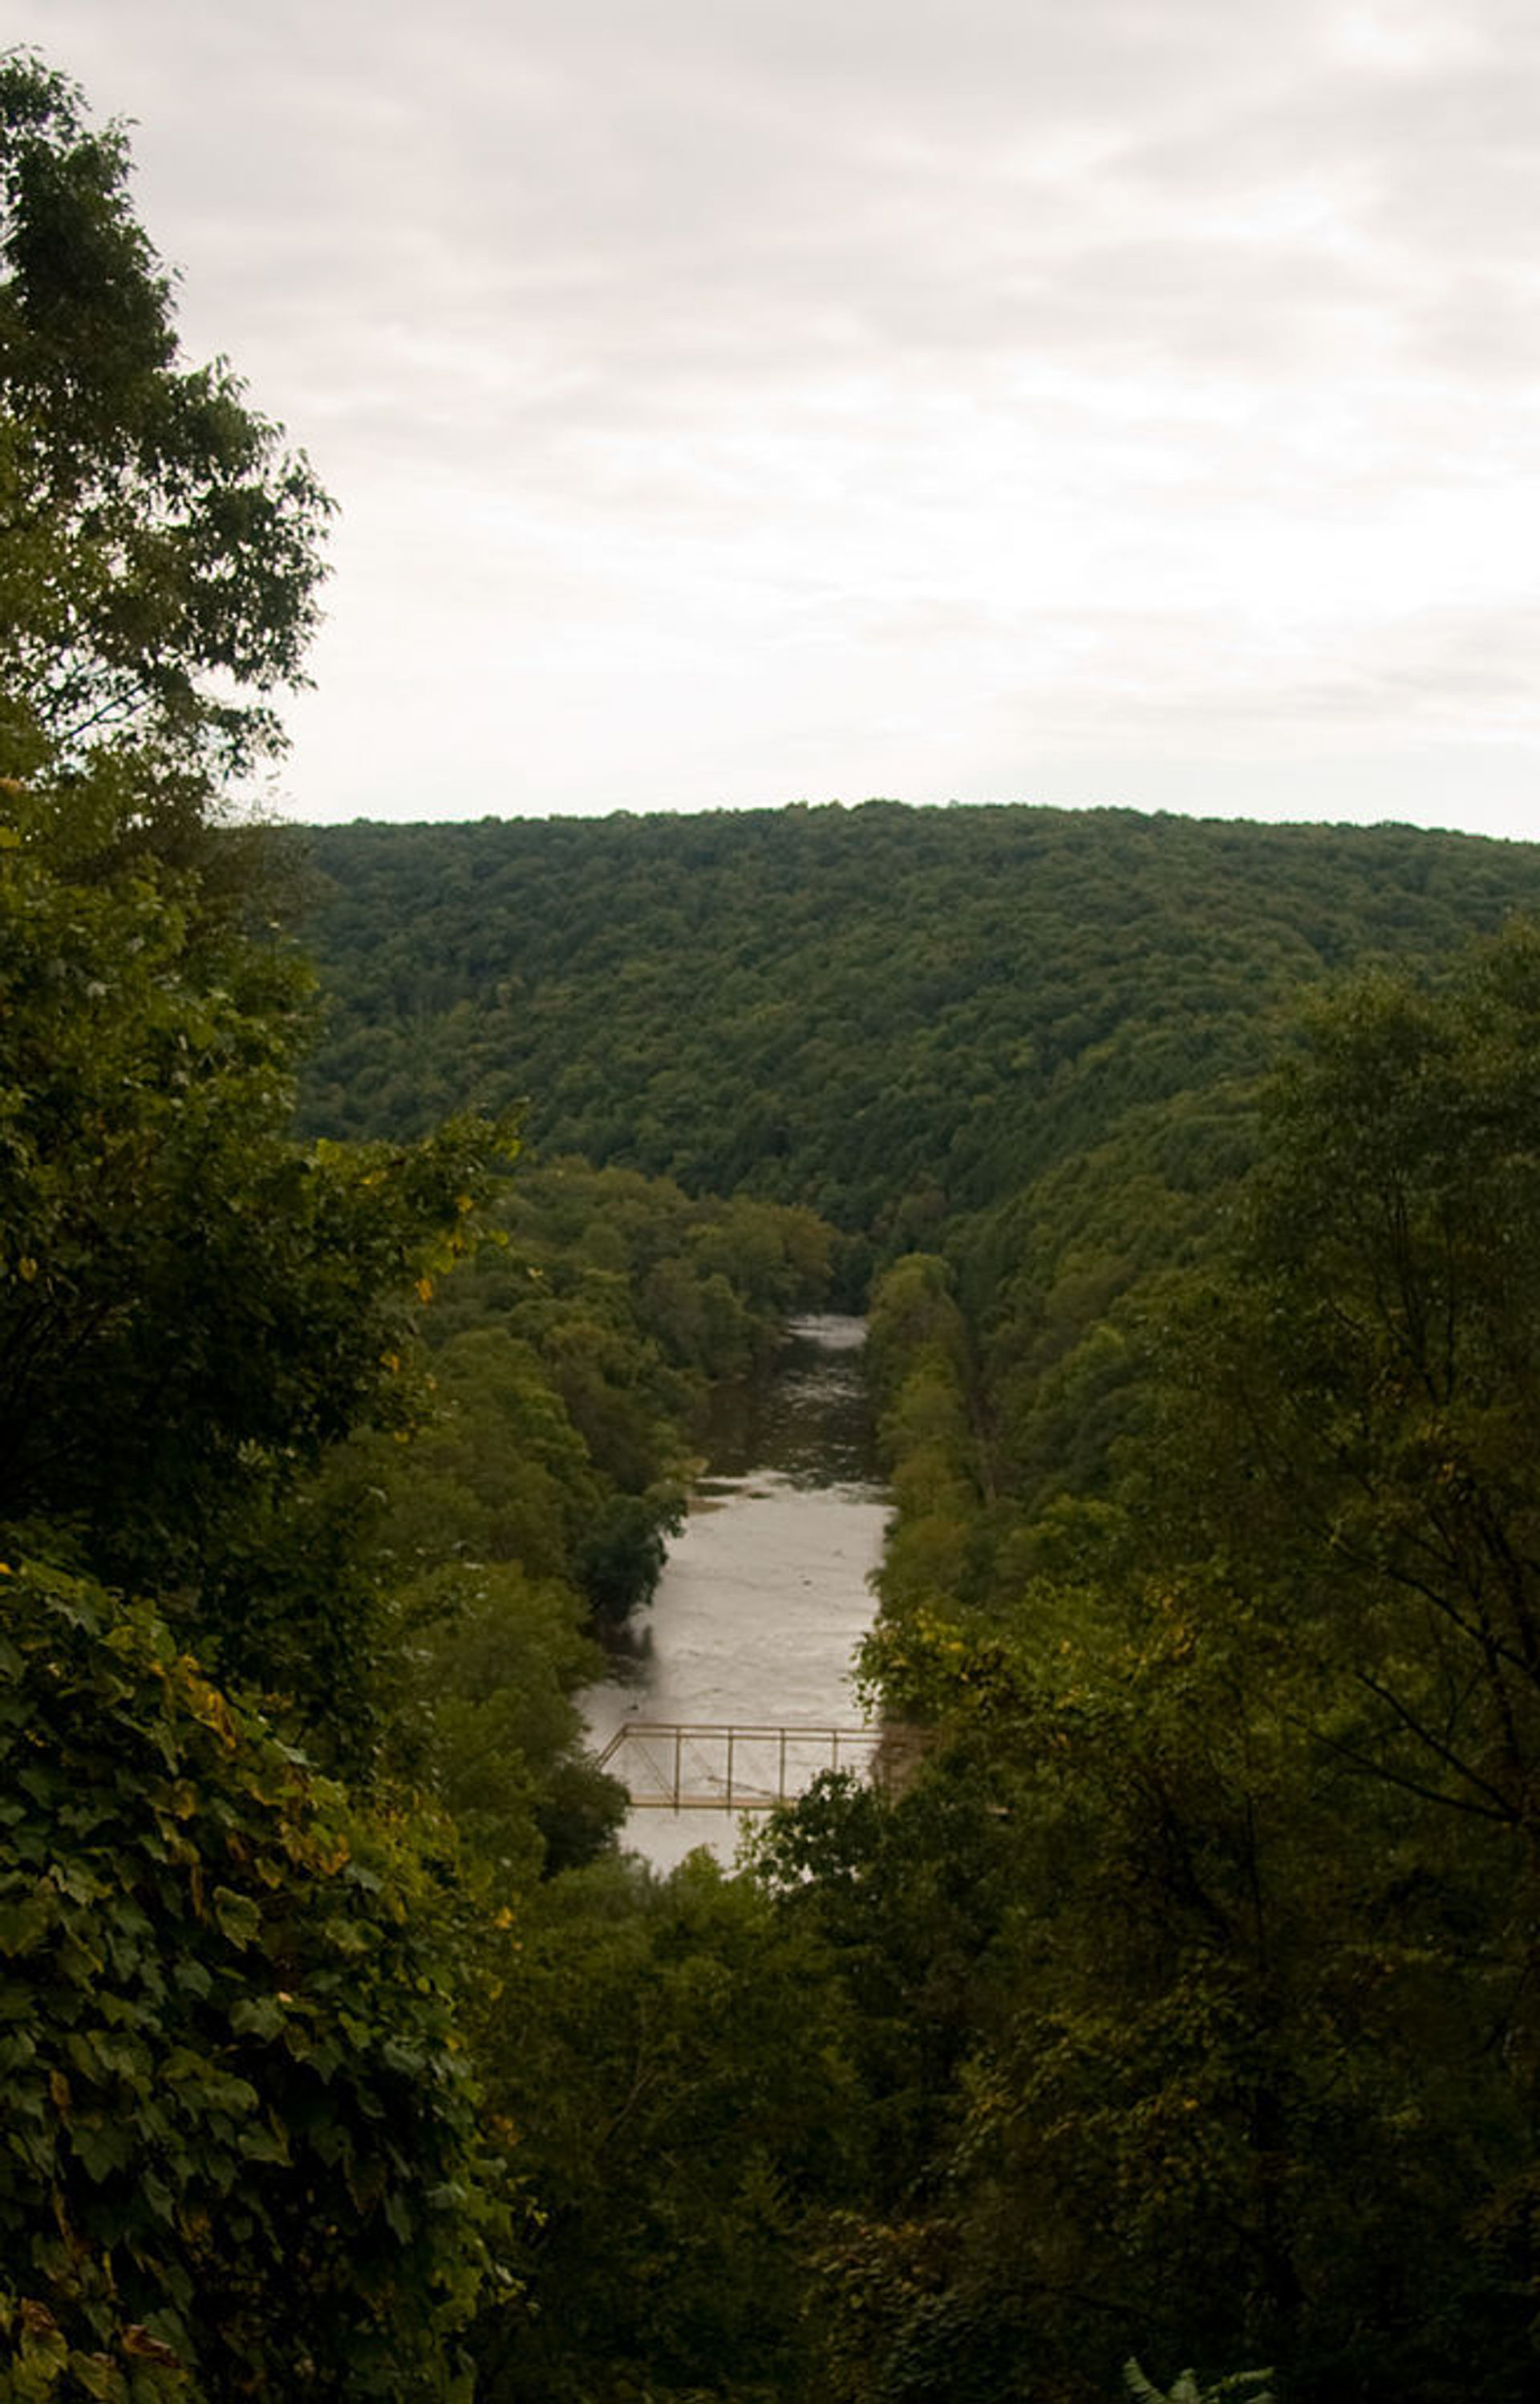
point(764, 1595)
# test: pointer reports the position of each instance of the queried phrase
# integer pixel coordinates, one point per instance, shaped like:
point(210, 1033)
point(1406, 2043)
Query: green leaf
point(240, 1919)
point(102, 2146)
point(257, 2016)
point(267, 2143)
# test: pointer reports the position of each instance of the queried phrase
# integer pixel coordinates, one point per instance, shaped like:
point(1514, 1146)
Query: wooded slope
point(890, 1014)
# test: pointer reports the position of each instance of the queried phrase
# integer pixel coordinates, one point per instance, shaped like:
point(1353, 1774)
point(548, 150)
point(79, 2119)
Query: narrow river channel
point(765, 1595)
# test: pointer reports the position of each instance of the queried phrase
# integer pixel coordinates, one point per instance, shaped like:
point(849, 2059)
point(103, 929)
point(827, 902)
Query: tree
point(1344, 1495)
point(191, 1306)
point(238, 2153)
point(676, 2059)
point(1375, 1359)
point(159, 559)
point(1244, 2067)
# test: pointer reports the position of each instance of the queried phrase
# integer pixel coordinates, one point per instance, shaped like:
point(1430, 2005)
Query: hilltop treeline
point(889, 1016)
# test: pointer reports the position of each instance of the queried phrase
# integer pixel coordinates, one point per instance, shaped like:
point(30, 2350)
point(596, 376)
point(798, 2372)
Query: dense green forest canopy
point(888, 1014)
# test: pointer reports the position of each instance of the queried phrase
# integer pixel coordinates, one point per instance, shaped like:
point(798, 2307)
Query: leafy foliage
point(1246, 2064)
point(241, 2143)
point(192, 1306)
point(158, 550)
point(675, 2057)
point(238, 2154)
point(1241, 2387)
point(1376, 1356)
point(914, 1012)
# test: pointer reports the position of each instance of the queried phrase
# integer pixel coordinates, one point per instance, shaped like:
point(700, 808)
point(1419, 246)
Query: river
point(765, 1595)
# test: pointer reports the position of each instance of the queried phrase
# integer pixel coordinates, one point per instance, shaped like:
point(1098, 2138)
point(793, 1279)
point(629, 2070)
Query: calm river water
point(764, 1595)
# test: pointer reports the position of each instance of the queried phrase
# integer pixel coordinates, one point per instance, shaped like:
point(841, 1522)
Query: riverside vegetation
point(1180, 2018)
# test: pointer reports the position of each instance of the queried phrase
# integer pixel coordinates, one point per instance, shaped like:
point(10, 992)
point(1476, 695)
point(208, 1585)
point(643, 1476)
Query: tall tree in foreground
point(191, 1306)
point(239, 2151)
point(159, 553)
point(1377, 1364)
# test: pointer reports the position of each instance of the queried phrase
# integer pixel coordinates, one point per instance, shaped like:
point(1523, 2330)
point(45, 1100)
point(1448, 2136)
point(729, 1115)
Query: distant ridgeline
point(890, 1014)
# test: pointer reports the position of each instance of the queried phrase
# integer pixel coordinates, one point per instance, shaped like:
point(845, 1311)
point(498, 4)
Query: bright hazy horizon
point(734, 404)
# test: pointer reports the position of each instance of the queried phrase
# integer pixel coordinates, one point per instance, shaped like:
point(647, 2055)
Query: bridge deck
point(699, 1765)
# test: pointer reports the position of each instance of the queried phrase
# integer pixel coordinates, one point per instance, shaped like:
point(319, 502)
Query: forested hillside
point(888, 1014)
point(1026, 1041)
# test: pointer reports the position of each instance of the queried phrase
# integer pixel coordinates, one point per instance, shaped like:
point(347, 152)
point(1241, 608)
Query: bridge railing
point(704, 1765)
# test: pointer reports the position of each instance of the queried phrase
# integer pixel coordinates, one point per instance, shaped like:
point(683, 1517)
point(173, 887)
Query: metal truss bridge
point(688, 1766)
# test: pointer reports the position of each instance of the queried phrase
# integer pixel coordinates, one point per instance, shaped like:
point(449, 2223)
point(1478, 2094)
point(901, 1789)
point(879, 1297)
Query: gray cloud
point(724, 375)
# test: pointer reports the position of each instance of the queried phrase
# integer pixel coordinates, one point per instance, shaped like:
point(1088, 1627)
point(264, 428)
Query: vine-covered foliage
point(240, 2139)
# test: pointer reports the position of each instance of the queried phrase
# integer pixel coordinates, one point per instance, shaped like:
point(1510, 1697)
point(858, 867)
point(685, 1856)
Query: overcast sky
point(740, 401)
